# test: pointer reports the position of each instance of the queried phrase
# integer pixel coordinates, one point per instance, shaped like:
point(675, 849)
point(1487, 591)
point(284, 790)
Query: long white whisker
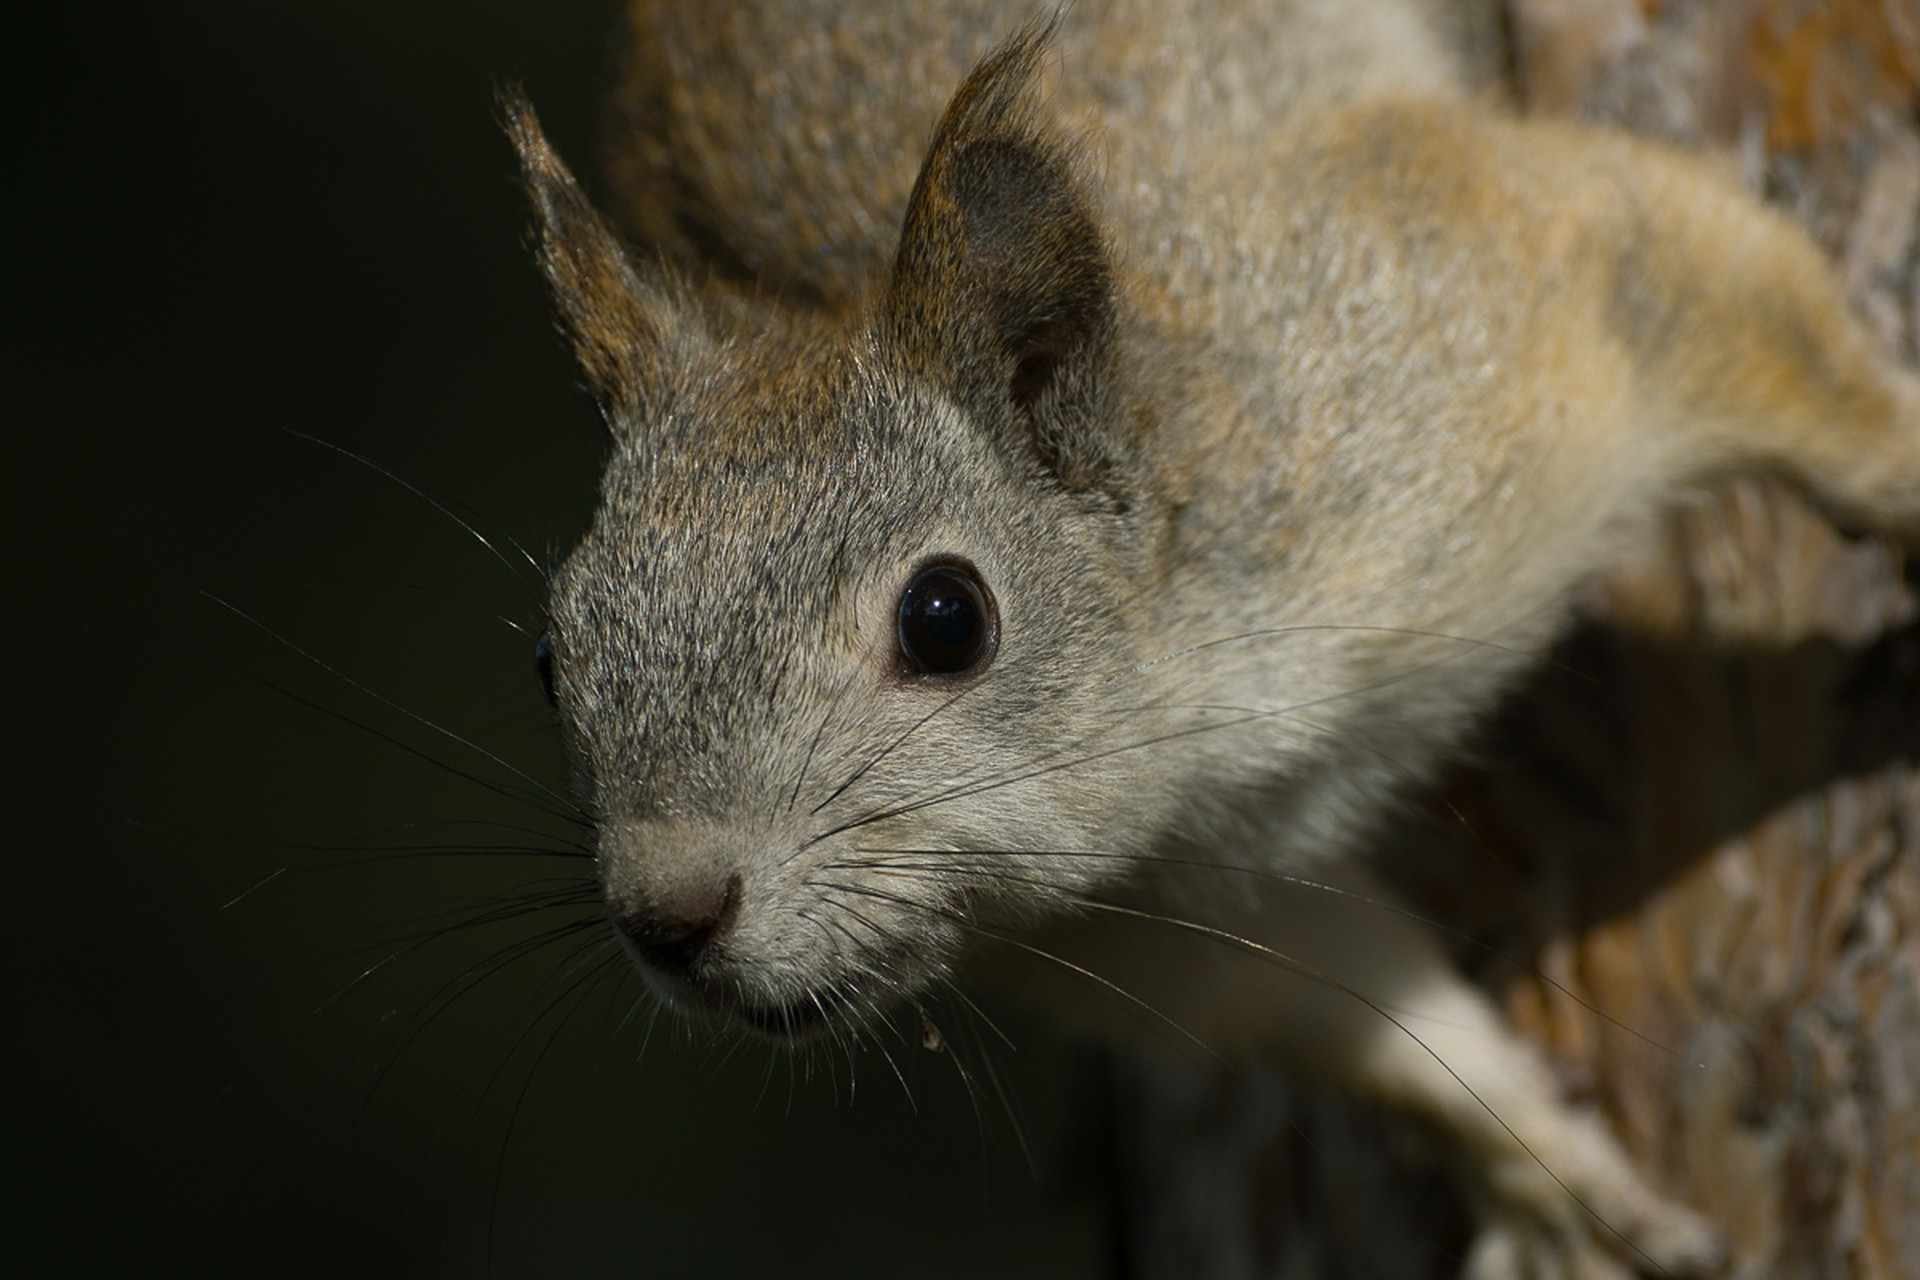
point(438, 504)
point(972, 926)
point(563, 808)
point(942, 861)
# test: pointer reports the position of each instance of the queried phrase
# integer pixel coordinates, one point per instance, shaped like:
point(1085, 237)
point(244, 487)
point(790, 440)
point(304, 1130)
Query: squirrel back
point(720, 154)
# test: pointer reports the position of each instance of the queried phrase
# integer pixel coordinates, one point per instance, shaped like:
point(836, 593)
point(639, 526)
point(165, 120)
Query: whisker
point(494, 615)
point(654, 1009)
point(833, 705)
point(560, 809)
point(988, 771)
point(813, 746)
point(362, 583)
point(873, 1010)
point(436, 502)
point(567, 846)
point(438, 1002)
point(1264, 633)
point(953, 989)
point(1027, 775)
point(592, 978)
point(960, 1067)
point(596, 972)
point(500, 912)
point(886, 1055)
point(1293, 965)
point(837, 1030)
point(1040, 953)
point(1002, 1094)
point(1033, 766)
point(939, 860)
point(1174, 735)
point(401, 854)
point(766, 1083)
point(888, 750)
point(558, 845)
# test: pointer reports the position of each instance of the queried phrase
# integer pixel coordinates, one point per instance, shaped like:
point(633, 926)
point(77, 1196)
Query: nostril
point(675, 930)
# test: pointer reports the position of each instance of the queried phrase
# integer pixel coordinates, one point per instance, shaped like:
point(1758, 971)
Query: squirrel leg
point(1391, 1019)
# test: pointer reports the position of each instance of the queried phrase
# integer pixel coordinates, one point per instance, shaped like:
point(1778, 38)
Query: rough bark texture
point(1700, 819)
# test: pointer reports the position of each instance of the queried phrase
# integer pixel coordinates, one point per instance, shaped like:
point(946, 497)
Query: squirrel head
point(854, 579)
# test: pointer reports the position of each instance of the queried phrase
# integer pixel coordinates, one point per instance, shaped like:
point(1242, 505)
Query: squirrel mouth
point(806, 1011)
point(794, 1021)
point(839, 1003)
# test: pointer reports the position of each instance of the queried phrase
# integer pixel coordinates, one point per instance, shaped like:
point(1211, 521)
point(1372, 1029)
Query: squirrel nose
point(673, 931)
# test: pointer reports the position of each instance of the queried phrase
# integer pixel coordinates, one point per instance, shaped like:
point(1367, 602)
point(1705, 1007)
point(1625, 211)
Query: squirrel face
point(774, 732)
point(861, 596)
point(780, 798)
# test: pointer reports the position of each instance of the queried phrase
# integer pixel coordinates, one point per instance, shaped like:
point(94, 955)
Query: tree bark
point(1693, 832)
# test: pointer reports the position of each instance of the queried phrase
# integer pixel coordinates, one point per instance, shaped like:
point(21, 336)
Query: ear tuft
point(1004, 282)
point(619, 325)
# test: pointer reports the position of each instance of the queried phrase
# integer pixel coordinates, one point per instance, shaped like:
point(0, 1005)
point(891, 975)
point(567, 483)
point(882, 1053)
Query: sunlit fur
point(1280, 426)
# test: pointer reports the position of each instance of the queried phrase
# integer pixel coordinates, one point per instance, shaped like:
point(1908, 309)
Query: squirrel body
point(1273, 408)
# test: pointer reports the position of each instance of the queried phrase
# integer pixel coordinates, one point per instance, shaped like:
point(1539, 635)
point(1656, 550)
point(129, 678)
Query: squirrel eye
point(947, 621)
point(543, 663)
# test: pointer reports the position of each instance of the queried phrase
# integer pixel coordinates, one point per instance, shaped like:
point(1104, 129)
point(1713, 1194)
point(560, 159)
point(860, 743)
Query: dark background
point(230, 224)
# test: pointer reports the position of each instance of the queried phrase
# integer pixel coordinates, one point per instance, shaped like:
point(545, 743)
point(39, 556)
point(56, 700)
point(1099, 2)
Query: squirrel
point(1060, 499)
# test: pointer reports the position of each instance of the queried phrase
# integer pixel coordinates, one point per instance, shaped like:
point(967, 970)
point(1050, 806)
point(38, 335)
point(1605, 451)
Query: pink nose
point(672, 931)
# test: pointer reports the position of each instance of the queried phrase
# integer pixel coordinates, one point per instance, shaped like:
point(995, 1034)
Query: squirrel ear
point(623, 328)
point(1003, 283)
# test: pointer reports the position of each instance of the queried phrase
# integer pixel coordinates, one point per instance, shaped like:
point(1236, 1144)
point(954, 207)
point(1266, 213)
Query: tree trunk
point(1697, 819)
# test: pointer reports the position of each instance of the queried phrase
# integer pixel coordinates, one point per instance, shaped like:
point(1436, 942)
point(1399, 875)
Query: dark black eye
point(946, 620)
point(543, 663)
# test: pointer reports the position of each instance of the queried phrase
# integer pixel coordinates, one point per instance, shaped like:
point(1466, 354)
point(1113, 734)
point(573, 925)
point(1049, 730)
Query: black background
point(231, 225)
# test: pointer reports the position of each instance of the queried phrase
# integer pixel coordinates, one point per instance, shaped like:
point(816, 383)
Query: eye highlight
point(947, 622)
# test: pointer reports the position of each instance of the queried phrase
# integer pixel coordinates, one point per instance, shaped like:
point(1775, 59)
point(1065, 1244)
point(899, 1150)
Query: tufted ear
point(629, 330)
point(1004, 284)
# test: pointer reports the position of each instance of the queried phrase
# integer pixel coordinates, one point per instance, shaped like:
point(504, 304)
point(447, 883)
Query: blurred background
point(252, 663)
